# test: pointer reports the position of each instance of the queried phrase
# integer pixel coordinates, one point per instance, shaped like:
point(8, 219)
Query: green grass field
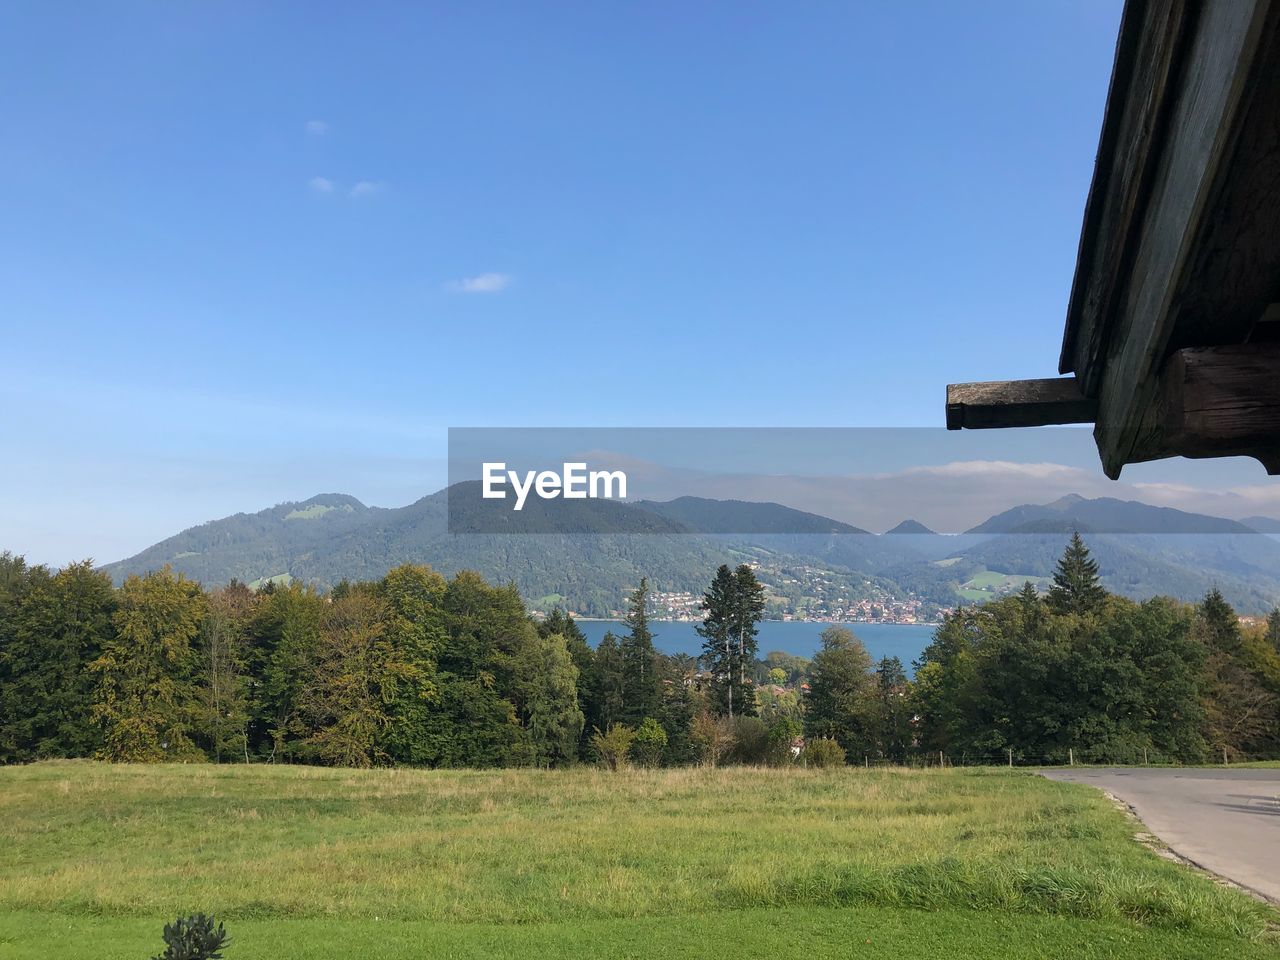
point(311, 863)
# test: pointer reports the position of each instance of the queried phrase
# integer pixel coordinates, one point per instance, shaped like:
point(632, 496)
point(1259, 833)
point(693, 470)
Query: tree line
point(416, 669)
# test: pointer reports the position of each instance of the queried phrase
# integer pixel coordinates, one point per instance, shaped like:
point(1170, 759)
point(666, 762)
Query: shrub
point(613, 745)
point(782, 734)
point(649, 742)
point(713, 738)
point(751, 741)
point(193, 938)
point(823, 753)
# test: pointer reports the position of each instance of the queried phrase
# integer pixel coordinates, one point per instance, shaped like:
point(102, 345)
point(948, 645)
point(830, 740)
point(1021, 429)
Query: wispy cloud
point(320, 185)
point(317, 128)
point(365, 188)
point(482, 283)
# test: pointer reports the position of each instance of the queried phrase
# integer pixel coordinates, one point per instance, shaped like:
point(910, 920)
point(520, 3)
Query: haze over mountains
point(1142, 550)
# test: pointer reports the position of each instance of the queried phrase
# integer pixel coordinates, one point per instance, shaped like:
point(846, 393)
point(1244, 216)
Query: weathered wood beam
point(1219, 402)
point(1017, 403)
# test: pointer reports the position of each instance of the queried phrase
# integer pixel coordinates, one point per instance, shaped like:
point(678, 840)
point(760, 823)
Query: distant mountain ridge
point(1074, 513)
point(678, 544)
point(703, 515)
point(1262, 524)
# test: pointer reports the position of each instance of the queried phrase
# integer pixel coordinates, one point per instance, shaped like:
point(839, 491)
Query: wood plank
point(1152, 40)
point(1203, 125)
point(1219, 402)
point(1017, 403)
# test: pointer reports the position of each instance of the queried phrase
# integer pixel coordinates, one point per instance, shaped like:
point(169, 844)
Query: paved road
point(1225, 820)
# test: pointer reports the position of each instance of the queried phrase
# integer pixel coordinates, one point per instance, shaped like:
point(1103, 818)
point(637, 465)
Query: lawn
point(310, 863)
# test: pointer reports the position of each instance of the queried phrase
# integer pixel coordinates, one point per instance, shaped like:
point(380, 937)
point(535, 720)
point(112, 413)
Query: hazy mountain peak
point(910, 526)
point(1068, 501)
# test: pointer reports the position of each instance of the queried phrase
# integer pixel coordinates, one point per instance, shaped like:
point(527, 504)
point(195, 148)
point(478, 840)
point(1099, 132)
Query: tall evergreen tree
point(608, 687)
point(748, 608)
point(1076, 588)
point(1219, 627)
point(639, 672)
point(716, 631)
point(891, 724)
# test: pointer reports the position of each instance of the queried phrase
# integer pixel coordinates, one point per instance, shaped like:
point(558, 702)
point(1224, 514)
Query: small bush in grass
point(751, 741)
point(613, 745)
point(823, 753)
point(649, 743)
point(193, 938)
point(782, 735)
point(713, 738)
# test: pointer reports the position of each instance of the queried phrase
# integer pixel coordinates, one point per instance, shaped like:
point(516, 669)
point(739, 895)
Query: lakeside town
point(685, 607)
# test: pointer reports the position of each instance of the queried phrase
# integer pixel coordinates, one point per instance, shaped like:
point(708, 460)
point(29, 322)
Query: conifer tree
point(608, 694)
point(639, 672)
point(1076, 588)
point(1218, 622)
point(1028, 596)
point(716, 631)
point(892, 720)
point(748, 608)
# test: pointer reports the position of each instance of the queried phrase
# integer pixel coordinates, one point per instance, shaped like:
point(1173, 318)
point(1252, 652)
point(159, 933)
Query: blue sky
point(253, 252)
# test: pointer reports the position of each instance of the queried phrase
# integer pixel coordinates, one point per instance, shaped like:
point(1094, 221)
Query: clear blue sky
point(252, 252)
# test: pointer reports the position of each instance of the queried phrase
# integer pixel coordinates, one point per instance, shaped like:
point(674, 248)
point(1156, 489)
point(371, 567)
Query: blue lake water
point(902, 640)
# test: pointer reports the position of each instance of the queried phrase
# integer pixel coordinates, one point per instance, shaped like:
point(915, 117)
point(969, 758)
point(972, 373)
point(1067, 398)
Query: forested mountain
point(331, 538)
point(1144, 552)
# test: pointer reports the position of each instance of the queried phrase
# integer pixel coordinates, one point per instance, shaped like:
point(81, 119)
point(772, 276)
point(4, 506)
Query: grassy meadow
point(738, 862)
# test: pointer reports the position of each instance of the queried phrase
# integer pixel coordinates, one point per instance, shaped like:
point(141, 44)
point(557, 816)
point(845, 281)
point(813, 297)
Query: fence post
point(1224, 756)
point(1144, 756)
point(1011, 758)
point(942, 763)
point(1071, 756)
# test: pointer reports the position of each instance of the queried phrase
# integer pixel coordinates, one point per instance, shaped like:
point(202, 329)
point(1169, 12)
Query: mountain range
point(585, 555)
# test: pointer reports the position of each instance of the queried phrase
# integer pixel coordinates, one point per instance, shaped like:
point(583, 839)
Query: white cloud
point(320, 185)
point(365, 188)
point(482, 283)
point(317, 128)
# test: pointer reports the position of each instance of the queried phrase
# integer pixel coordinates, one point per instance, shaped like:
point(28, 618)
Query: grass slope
point(305, 862)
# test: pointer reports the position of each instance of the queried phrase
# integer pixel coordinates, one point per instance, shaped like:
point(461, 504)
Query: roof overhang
point(1173, 328)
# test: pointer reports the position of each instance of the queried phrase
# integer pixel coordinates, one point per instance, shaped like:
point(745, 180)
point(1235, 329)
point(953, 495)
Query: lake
point(902, 640)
